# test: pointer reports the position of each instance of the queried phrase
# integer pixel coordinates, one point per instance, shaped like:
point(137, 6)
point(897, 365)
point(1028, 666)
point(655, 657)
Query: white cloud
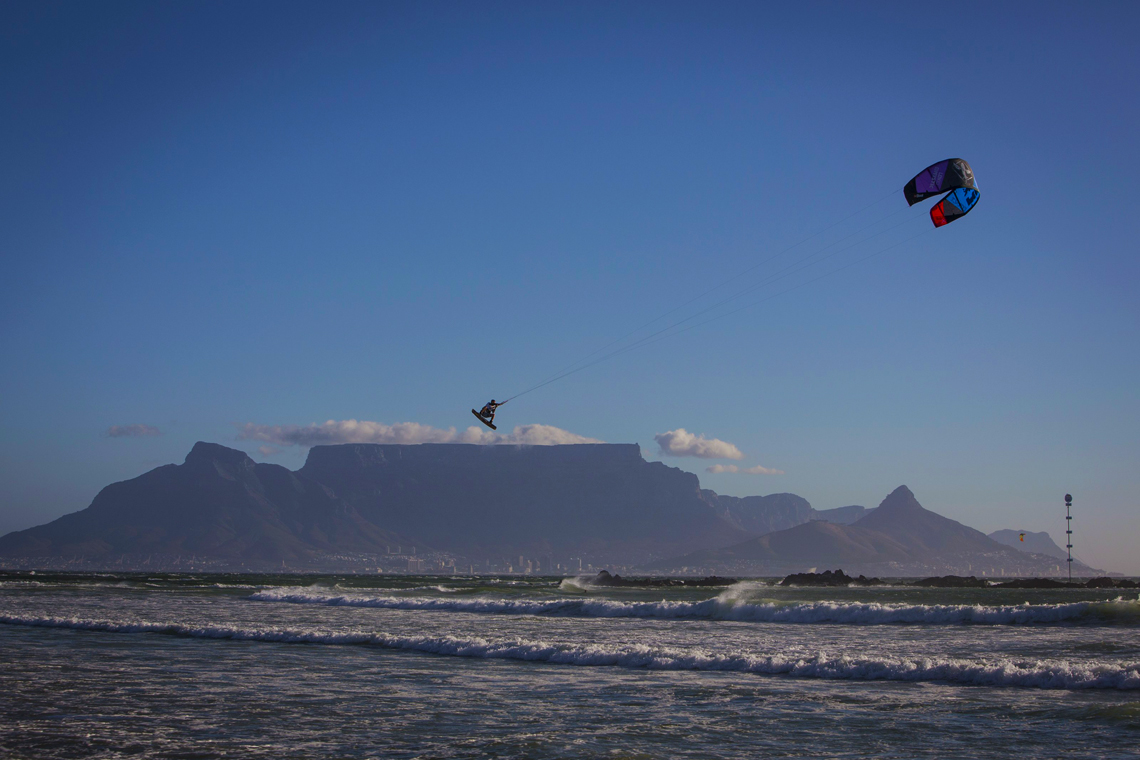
point(716, 469)
point(132, 431)
point(268, 451)
point(345, 431)
point(759, 470)
point(682, 443)
point(363, 431)
point(543, 435)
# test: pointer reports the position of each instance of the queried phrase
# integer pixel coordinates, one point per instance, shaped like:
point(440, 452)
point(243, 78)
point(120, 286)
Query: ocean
point(278, 666)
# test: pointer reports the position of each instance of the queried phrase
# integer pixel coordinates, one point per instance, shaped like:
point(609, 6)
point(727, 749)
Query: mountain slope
point(217, 503)
point(901, 517)
point(841, 515)
point(761, 514)
point(812, 543)
point(1038, 543)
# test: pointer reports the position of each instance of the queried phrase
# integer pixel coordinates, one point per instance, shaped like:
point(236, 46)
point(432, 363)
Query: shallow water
point(371, 666)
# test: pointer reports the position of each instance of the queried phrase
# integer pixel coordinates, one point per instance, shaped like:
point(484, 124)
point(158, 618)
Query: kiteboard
point(484, 420)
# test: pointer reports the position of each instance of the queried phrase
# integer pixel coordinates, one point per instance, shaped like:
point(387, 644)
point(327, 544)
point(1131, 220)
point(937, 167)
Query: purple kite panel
point(930, 181)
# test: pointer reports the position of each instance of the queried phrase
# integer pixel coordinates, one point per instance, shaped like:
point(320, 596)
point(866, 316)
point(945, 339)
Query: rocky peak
point(228, 462)
point(900, 501)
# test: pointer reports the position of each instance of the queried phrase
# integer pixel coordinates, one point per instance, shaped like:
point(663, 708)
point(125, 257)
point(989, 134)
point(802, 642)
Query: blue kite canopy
point(953, 174)
point(956, 204)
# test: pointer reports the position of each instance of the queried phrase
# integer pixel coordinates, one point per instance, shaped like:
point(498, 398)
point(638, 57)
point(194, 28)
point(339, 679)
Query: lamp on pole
point(1069, 533)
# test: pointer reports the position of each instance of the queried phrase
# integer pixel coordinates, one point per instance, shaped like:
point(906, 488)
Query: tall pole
point(1069, 533)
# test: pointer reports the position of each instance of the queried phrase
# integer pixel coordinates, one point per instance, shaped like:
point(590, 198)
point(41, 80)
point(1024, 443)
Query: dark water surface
point(179, 666)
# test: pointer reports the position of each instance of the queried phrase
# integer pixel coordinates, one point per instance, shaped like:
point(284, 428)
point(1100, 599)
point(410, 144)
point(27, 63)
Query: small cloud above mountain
point(132, 431)
point(717, 469)
point(543, 435)
point(682, 443)
point(364, 431)
point(759, 470)
point(345, 431)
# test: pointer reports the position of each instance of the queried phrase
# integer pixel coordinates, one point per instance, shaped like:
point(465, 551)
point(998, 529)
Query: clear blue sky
point(216, 214)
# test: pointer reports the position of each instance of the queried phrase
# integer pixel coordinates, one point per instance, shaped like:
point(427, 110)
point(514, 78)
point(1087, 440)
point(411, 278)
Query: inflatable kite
point(954, 175)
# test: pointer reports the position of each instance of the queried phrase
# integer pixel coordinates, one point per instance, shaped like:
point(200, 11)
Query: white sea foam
point(729, 607)
point(1043, 674)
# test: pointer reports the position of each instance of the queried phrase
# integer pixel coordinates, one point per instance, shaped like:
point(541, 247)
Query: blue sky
point(273, 214)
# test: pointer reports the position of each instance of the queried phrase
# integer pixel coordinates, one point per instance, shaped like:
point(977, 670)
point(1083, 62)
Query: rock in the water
point(604, 578)
point(951, 581)
point(1110, 583)
point(829, 578)
point(1038, 583)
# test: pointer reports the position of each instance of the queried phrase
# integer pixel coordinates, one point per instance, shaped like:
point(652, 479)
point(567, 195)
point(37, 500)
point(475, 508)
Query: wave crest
point(1041, 674)
point(726, 607)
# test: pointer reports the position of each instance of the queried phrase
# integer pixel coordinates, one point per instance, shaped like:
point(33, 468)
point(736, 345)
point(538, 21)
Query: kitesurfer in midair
point(486, 415)
point(488, 410)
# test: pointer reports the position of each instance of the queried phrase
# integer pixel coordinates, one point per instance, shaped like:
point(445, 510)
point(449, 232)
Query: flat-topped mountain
point(599, 501)
point(603, 500)
point(900, 537)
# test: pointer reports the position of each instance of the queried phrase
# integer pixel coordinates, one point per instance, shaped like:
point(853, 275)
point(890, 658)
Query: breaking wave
point(1041, 674)
point(726, 607)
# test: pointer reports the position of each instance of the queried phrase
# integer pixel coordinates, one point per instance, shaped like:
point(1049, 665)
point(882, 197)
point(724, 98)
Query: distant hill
point(841, 515)
point(923, 532)
point(761, 514)
point(1037, 543)
point(900, 537)
point(815, 543)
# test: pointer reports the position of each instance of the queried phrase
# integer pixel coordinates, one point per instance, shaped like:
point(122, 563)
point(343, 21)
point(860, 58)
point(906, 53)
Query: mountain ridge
point(599, 501)
point(488, 506)
point(218, 502)
point(899, 537)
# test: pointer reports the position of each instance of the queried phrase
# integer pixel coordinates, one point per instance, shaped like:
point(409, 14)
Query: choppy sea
point(275, 666)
